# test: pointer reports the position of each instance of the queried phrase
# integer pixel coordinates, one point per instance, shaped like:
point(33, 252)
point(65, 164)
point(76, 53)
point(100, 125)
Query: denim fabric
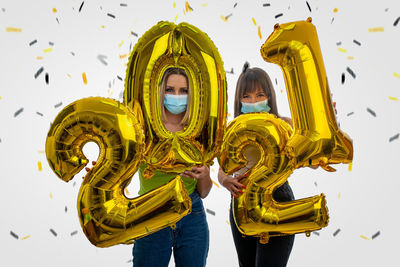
point(189, 241)
point(251, 253)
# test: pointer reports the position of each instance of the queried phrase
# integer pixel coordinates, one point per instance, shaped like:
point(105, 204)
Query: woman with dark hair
point(189, 241)
point(255, 93)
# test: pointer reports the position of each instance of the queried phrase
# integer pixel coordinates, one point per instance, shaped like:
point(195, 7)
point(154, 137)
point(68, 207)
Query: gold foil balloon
point(107, 217)
point(255, 211)
point(316, 140)
point(183, 46)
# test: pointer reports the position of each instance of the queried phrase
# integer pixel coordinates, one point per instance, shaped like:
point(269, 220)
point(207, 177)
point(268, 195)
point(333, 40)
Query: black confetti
point(111, 15)
point(74, 233)
point(72, 53)
point(267, 4)
point(66, 209)
point(279, 15)
point(231, 71)
point(46, 78)
point(53, 232)
point(58, 21)
point(38, 72)
point(129, 261)
point(308, 5)
point(119, 78)
point(227, 17)
point(134, 34)
point(80, 8)
point(33, 42)
point(40, 114)
point(396, 21)
point(357, 42)
point(234, 5)
point(332, 20)
point(351, 72)
point(210, 212)
point(336, 232)
point(315, 183)
point(349, 114)
point(102, 59)
point(372, 112)
point(376, 234)
point(73, 185)
point(18, 112)
point(14, 235)
point(51, 43)
point(343, 78)
point(57, 105)
point(394, 137)
point(123, 4)
point(315, 233)
point(386, 9)
point(3, 9)
point(338, 43)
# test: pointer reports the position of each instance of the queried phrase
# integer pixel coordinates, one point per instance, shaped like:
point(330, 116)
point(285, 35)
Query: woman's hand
point(233, 185)
point(202, 175)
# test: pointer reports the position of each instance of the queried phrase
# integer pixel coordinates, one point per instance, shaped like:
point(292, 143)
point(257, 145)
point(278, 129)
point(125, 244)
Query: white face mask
point(261, 106)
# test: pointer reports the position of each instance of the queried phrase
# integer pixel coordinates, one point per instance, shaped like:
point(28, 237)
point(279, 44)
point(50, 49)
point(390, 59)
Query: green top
point(162, 178)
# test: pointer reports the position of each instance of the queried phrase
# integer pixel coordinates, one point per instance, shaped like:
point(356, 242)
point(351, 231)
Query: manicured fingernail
point(243, 186)
point(246, 175)
point(240, 192)
point(93, 162)
point(235, 195)
point(87, 169)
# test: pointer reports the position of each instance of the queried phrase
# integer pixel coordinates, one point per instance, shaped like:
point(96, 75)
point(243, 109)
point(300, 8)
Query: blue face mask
point(175, 104)
point(260, 106)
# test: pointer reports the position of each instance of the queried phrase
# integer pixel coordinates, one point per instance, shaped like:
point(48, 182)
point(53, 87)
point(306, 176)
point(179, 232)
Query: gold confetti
point(174, 5)
point(13, 29)
point(393, 98)
point(335, 10)
point(176, 17)
point(122, 56)
point(229, 114)
point(126, 192)
point(0, 97)
point(25, 237)
point(47, 50)
point(102, 26)
point(84, 78)
point(54, 10)
point(224, 18)
point(69, 75)
point(338, 195)
point(215, 183)
point(377, 29)
point(342, 50)
point(204, 5)
point(39, 164)
point(39, 57)
point(350, 57)
point(254, 21)
point(396, 75)
point(259, 32)
point(188, 7)
point(350, 166)
point(120, 44)
point(51, 195)
point(364, 237)
point(228, 222)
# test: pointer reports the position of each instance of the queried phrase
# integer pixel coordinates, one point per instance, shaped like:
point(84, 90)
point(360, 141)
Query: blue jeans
point(189, 241)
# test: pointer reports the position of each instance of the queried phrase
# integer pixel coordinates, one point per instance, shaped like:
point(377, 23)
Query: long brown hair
point(249, 80)
point(168, 73)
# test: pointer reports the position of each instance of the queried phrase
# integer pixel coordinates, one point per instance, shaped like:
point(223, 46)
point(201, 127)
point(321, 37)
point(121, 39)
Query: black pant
point(275, 253)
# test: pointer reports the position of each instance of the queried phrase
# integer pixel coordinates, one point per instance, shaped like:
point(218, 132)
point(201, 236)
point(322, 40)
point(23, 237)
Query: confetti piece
point(51, 195)
point(188, 8)
point(364, 237)
point(18, 112)
point(350, 166)
point(350, 57)
point(204, 5)
point(126, 192)
point(176, 17)
point(267, 4)
point(111, 15)
point(396, 75)
point(234, 5)
point(74, 233)
point(210, 212)
point(122, 56)
point(259, 32)
point(224, 18)
point(376, 234)
point(25, 237)
point(350, 71)
point(123, 4)
point(120, 44)
point(57, 105)
point(47, 50)
point(80, 8)
point(14, 235)
point(343, 78)
point(394, 137)
point(357, 42)
point(279, 15)
point(371, 112)
point(339, 195)
point(135, 34)
point(33, 42)
point(53, 232)
point(13, 29)
point(51, 43)
point(39, 166)
point(349, 114)
point(338, 43)
point(342, 50)
point(46, 78)
point(39, 72)
point(85, 210)
point(254, 21)
point(214, 183)
point(54, 10)
point(72, 53)
point(119, 78)
point(393, 98)
point(65, 209)
point(84, 78)
point(377, 29)
point(39, 57)
point(336, 232)
point(41, 151)
point(335, 10)
point(396, 21)
point(315, 233)
point(69, 75)
point(57, 21)
point(102, 59)
point(315, 183)
point(228, 222)
point(308, 5)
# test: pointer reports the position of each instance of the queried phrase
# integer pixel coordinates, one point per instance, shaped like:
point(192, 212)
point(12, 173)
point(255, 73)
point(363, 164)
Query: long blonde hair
point(163, 86)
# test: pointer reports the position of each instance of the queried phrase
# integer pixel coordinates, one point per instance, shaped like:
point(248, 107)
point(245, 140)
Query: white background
point(361, 202)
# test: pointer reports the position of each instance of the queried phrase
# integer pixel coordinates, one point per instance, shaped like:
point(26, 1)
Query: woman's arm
point(231, 184)
point(202, 175)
